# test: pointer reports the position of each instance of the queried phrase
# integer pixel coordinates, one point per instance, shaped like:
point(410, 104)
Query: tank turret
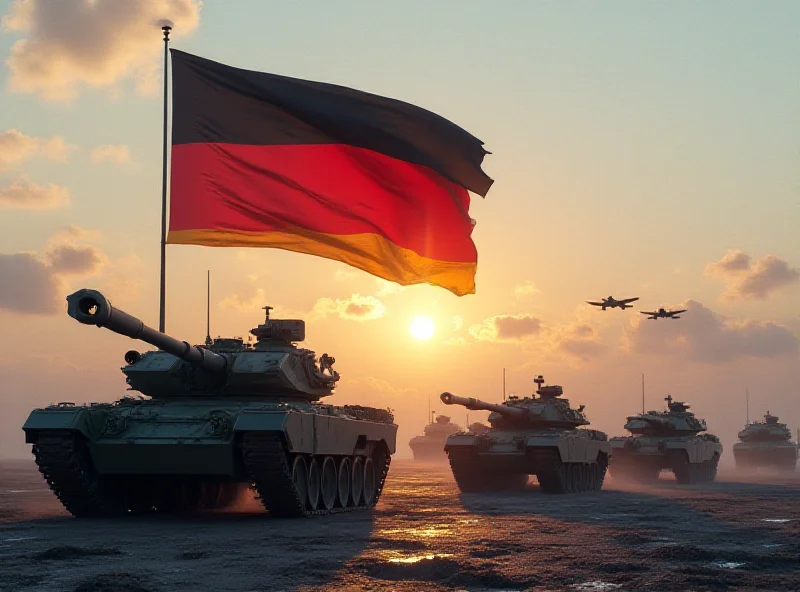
point(546, 410)
point(769, 430)
point(273, 368)
point(676, 420)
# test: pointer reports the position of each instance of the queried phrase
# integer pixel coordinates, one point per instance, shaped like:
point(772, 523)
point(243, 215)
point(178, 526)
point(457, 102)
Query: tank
point(766, 443)
point(669, 439)
point(209, 421)
point(536, 435)
point(430, 446)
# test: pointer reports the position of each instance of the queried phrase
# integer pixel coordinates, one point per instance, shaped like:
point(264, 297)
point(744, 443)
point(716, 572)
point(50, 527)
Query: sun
point(422, 328)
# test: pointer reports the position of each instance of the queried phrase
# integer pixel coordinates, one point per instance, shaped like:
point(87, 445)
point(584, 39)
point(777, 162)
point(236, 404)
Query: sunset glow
point(626, 163)
point(422, 328)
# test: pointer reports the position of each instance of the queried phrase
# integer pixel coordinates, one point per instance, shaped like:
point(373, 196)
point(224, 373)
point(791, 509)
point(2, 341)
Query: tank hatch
point(676, 406)
point(547, 392)
point(283, 330)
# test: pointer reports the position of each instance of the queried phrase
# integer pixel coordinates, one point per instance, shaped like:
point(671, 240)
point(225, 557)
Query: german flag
point(261, 160)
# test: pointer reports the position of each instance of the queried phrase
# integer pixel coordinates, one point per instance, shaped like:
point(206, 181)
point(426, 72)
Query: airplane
point(662, 314)
point(611, 303)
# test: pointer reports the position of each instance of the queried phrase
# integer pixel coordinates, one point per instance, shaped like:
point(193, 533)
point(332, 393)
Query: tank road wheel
point(300, 479)
point(357, 481)
point(329, 486)
point(314, 482)
point(370, 482)
point(344, 475)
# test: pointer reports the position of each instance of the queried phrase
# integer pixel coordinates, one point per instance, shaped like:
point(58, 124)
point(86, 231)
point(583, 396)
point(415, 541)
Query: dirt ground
point(740, 533)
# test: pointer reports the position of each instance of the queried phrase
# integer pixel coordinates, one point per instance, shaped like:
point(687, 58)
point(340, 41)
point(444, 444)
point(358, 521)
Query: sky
point(638, 149)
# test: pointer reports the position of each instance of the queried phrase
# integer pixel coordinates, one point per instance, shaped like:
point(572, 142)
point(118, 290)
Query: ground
point(740, 533)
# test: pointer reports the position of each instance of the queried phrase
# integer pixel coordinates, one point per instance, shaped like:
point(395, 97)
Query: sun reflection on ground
point(418, 558)
point(412, 533)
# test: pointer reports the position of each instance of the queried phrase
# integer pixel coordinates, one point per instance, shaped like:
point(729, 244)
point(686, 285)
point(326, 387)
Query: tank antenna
point(208, 307)
point(642, 393)
point(504, 384)
point(747, 405)
point(430, 413)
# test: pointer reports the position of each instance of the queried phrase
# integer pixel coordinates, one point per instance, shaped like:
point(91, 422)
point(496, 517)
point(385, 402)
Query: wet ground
point(424, 535)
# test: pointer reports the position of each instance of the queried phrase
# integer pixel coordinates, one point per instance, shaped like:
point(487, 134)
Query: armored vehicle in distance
point(219, 417)
point(529, 436)
point(766, 444)
point(430, 446)
point(670, 439)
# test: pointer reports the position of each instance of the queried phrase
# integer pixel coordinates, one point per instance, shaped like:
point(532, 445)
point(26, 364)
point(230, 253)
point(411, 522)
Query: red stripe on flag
point(327, 188)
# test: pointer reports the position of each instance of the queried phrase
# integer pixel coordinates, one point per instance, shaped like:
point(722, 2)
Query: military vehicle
point(430, 446)
point(218, 416)
point(766, 444)
point(529, 436)
point(670, 440)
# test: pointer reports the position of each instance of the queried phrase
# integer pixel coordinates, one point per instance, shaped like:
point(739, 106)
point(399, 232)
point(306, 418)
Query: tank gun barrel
point(90, 307)
point(478, 405)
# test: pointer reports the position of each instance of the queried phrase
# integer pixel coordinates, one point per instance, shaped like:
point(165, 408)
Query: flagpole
point(162, 308)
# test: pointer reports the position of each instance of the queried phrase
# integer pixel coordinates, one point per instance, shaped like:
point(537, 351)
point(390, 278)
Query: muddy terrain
point(741, 533)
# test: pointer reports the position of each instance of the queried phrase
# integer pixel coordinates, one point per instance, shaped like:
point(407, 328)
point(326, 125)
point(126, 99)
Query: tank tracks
point(687, 473)
point(558, 477)
point(554, 476)
point(268, 467)
point(63, 460)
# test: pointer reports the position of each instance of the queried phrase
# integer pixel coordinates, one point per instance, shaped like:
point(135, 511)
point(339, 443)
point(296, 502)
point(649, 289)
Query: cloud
point(733, 261)
point(458, 322)
point(72, 44)
point(244, 303)
point(30, 196)
point(114, 153)
point(579, 340)
point(526, 289)
point(356, 308)
point(16, 147)
point(344, 275)
point(74, 260)
point(506, 328)
point(703, 336)
point(381, 386)
point(387, 288)
point(36, 284)
point(745, 280)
